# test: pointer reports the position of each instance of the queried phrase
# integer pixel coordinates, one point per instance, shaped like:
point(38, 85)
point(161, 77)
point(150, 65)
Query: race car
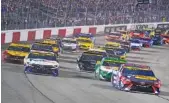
point(114, 36)
point(146, 41)
point(87, 61)
point(157, 40)
point(16, 52)
point(84, 35)
point(40, 47)
point(136, 78)
point(85, 43)
point(112, 45)
point(117, 52)
point(166, 39)
point(123, 44)
point(69, 44)
point(136, 34)
point(41, 63)
point(125, 34)
point(135, 44)
point(104, 69)
point(54, 44)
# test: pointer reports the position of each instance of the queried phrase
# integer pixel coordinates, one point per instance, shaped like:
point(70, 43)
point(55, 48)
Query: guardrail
point(42, 33)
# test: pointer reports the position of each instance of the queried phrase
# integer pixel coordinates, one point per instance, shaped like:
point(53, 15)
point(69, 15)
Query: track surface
point(74, 87)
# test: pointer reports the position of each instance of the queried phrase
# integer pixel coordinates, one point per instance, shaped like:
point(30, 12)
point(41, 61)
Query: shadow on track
point(108, 87)
point(140, 53)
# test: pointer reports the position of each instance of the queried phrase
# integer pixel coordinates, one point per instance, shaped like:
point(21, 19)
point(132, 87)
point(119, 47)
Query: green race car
point(103, 69)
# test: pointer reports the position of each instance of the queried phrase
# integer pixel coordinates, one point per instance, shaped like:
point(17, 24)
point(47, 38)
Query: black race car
point(87, 61)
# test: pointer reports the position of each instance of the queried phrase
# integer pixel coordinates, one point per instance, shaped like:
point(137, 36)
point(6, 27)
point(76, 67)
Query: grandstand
point(26, 14)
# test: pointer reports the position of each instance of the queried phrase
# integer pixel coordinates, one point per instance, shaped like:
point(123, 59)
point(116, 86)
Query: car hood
point(86, 44)
point(42, 62)
point(17, 53)
point(69, 44)
point(142, 78)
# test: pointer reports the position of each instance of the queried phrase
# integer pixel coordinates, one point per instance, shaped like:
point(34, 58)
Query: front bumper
point(105, 75)
point(135, 47)
point(69, 48)
point(41, 70)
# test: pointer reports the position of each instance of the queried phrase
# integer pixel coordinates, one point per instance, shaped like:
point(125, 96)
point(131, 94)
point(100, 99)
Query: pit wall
point(9, 36)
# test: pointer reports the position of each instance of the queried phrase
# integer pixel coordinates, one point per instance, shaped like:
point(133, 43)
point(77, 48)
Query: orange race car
point(136, 34)
point(113, 36)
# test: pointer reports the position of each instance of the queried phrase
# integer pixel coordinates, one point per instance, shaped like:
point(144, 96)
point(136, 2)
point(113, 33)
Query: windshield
point(19, 48)
point(120, 51)
point(84, 40)
point(111, 63)
point(42, 47)
point(135, 41)
point(68, 41)
point(89, 57)
point(115, 34)
point(127, 71)
point(42, 56)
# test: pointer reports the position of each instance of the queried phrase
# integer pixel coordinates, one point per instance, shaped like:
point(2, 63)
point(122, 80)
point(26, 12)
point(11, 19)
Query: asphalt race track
point(74, 87)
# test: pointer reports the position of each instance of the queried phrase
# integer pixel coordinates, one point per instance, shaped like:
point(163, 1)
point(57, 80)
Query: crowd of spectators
point(24, 14)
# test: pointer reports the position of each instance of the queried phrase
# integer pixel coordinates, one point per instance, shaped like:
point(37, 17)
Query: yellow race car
point(16, 52)
point(85, 43)
point(112, 45)
point(53, 43)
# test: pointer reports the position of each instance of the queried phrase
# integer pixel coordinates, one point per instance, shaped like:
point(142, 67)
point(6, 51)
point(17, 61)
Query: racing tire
point(55, 73)
point(27, 70)
point(158, 92)
point(121, 86)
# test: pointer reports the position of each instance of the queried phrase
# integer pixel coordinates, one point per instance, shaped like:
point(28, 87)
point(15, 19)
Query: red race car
point(113, 36)
point(137, 33)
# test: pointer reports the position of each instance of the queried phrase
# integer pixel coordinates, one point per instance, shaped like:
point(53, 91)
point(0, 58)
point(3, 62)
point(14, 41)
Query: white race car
point(69, 44)
point(41, 63)
point(135, 44)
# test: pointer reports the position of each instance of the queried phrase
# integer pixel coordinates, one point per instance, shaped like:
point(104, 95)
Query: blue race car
point(158, 40)
point(147, 42)
point(135, 44)
point(41, 63)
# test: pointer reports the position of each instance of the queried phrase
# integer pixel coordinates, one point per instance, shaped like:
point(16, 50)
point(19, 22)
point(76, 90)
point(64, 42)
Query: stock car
point(41, 63)
point(69, 44)
point(125, 34)
point(16, 52)
point(134, 77)
point(104, 69)
point(165, 39)
point(84, 35)
point(114, 36)
point(135, 44)
point(146, 41)
point(136, 34)
point(87, 61)
point(115, 52)
point(54, 44)
point(85, 43)
point(157, 40)
point(40, 47)
point(112, 45)
point(124, 44)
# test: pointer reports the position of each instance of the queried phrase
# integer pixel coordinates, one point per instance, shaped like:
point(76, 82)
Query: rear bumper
point(13, 58)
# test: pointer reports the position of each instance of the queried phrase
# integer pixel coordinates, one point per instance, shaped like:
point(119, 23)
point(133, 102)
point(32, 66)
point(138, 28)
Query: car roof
point(136, 66)
point(20, 44)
